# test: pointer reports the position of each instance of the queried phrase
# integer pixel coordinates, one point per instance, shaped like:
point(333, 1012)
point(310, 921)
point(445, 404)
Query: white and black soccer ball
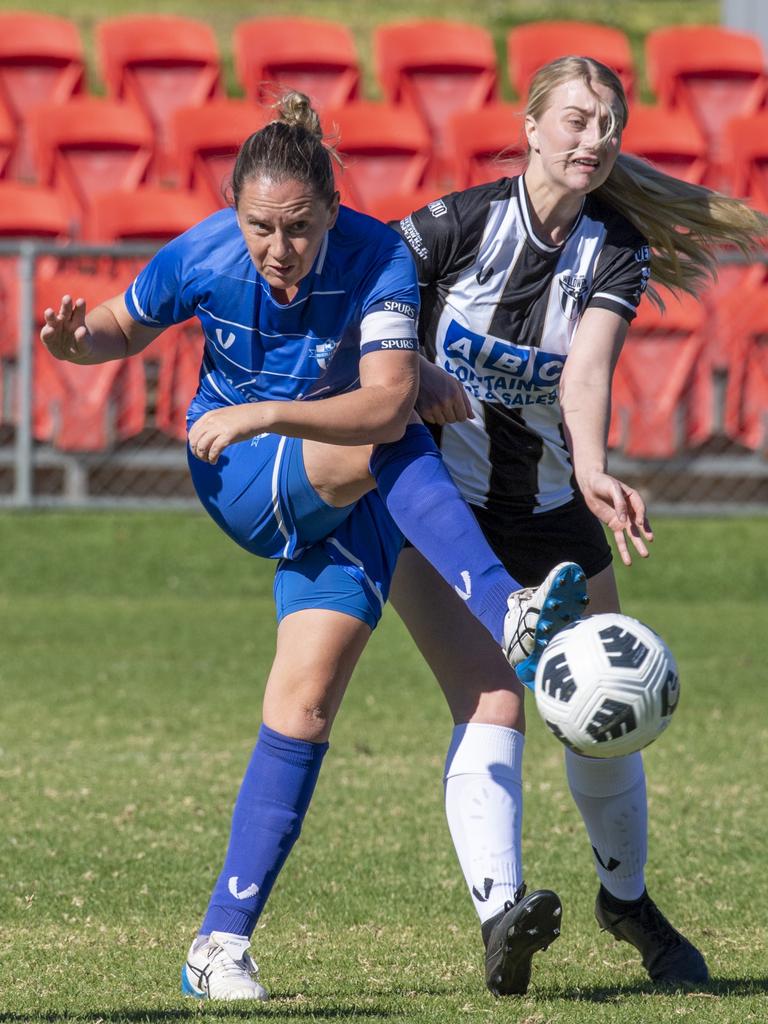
point(607, 685)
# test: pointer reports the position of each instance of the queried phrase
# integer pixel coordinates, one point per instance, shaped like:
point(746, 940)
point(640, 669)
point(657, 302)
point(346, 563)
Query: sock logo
point(612, 862)
point(487, 886)
point(466, 579)
point(250, 890)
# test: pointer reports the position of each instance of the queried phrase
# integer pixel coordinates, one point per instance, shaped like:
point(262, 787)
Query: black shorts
point(529, 545)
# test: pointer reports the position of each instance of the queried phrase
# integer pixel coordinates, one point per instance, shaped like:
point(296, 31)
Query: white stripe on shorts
point(276, 495)
point(356, 561)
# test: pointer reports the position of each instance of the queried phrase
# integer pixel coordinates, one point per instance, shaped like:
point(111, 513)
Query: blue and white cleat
point(536, 614)
point(218, 967)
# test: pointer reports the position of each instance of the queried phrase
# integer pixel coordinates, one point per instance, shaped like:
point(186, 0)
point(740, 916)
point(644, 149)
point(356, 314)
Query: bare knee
point(302, 702)
point(316, 719)
point(488, 705)
point(317, 650)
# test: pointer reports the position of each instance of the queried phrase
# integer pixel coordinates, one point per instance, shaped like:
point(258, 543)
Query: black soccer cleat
point(668, 956)
point(524, 927)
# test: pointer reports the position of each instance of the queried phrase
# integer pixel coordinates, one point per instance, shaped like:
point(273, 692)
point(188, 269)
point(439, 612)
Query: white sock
point(610, 794)
point(484, 807)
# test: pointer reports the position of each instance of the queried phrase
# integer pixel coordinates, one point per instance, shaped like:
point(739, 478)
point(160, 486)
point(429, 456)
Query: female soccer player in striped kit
point(528, 286)
point(303, 447)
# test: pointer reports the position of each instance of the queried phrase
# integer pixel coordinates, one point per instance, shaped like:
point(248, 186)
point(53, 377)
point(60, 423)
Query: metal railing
point(151, 470)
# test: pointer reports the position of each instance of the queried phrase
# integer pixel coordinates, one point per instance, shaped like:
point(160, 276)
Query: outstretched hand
point(622, 510)
point(65, 334)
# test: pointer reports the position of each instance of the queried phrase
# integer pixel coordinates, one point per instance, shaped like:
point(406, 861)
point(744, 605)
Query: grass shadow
point(245, 1011)
point(716, 987)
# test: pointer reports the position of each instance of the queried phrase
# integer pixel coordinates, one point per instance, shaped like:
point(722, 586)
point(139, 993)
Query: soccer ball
point(607, 685)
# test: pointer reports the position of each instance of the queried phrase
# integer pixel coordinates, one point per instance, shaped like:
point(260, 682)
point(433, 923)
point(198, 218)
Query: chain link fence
point(689, 426)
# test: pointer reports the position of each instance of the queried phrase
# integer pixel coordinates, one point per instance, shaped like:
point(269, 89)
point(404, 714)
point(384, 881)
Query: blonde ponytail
point(683, 223)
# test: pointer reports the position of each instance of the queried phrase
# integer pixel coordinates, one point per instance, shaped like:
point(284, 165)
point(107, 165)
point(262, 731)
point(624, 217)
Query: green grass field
point(134, 652)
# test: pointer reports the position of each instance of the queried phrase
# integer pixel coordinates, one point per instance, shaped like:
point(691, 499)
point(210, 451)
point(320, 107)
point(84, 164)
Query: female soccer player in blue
point(303, 447)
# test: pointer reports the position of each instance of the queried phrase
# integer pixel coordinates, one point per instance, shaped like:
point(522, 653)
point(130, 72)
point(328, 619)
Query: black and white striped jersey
point(499, 311)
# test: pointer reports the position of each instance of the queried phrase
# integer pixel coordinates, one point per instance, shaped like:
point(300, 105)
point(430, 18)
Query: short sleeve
point(621, 276)
point(433, 235)
point(390, 300)
point(159, 296)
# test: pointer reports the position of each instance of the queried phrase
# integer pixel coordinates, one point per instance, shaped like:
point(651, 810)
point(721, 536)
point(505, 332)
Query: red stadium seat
point(397, 205)
point(713, 73)
point(746, 152)
point(669, 139)
point(25, 212)
point(41, 61)
point(8, 141)
point(662, 394)
point(88, 146)
point(161, 62)
point(315, 57)
point(531, 46)
point(383, 148)
point(179, 351)
point(746, 396)
point(84, 408)
point(207, 139)
point(438, 68)
point(746, 413)
point(145, 214)
point(487, 144)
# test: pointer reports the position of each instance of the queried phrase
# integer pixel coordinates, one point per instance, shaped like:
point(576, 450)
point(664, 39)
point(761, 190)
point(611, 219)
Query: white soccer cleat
point(536, 614)
point(220, 968)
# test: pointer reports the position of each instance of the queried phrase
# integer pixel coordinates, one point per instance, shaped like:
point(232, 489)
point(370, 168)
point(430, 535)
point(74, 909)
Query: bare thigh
point(317, 650)
point(339, 473)
point(473, 673)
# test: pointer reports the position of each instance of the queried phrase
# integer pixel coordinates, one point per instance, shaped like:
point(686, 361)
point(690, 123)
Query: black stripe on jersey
point(514, 455)
point(522, 310)
point(440, 270)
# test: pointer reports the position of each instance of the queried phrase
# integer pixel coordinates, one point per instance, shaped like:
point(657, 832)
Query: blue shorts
point(340, 559)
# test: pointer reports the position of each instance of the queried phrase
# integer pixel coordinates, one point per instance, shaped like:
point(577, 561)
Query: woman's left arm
point(585, 400)
point(374, 413)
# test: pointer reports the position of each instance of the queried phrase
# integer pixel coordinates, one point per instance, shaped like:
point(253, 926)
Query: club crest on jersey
point(573, 292)
point(323, 351)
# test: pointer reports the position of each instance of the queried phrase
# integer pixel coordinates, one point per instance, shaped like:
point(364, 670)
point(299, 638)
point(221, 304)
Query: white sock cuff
point(480, 749)
point(600, 777)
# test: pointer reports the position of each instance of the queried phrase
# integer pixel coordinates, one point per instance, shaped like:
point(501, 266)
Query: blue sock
point(273, 799)
point(429, 510)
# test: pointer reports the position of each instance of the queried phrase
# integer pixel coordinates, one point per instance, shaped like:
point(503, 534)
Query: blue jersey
point(361, 295)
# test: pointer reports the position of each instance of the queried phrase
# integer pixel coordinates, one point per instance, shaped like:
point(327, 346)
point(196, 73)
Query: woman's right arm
point(107, 332)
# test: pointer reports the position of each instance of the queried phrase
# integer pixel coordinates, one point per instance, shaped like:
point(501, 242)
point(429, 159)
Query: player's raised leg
point(428, 508)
